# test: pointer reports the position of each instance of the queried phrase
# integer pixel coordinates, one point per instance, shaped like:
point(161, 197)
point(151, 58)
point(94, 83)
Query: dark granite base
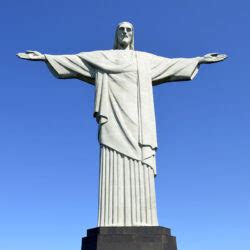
point(129, 238)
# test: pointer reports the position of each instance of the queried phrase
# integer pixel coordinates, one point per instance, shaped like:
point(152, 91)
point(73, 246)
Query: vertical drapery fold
point(126, 191)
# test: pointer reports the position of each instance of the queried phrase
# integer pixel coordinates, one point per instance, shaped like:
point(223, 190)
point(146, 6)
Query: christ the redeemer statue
point(124, 109)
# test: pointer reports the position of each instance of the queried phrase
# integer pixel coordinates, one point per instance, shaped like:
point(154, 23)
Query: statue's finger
point(30, 51)
point(24, 56)
point(222, 57)
point(21, 55)
point(214, 54)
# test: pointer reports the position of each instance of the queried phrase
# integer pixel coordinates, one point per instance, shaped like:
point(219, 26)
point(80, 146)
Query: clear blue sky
point(48, 138)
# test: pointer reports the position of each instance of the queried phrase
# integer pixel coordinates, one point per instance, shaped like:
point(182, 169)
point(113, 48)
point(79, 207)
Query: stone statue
point(124, 109)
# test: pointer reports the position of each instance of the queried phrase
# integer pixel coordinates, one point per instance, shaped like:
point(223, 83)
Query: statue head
point(124, 36)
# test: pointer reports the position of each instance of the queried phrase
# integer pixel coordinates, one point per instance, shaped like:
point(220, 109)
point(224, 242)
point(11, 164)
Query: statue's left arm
point(179, 69)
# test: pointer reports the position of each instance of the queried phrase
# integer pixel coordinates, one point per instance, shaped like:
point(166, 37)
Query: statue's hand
point(31, 55)
point(213, 58)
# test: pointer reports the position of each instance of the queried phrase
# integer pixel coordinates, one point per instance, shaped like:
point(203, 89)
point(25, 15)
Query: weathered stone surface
point(129, 238)
point(124, 109)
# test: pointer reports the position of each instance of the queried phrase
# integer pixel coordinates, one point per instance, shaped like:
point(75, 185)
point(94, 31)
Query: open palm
point(213, 58)
point(31, 55)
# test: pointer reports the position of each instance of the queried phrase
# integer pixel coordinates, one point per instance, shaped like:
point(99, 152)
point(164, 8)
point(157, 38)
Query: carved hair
point(116, 43)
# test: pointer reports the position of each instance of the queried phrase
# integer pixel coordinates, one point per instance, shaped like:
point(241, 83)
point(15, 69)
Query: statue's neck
point(124, 47)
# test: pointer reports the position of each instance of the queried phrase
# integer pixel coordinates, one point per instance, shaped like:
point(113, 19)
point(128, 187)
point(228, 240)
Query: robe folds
point(124, 106)
point(124, 110)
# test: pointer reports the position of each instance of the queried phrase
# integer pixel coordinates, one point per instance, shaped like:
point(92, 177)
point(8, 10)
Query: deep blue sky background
point(48, 138)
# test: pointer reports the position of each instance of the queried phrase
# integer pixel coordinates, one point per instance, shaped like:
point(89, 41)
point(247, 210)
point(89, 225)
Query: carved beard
point(124, 43)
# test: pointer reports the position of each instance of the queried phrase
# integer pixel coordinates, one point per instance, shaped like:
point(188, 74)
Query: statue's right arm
point(32, 55)
point(64, 66)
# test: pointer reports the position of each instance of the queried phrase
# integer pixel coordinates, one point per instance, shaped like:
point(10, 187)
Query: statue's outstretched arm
point(212, 58)
point(180, 69)
point(63, 66)
point(32, 55)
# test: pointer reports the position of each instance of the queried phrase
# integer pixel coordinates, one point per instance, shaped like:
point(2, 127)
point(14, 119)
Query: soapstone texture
point(124, 109)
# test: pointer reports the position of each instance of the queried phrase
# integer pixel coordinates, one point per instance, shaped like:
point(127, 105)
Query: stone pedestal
point(129, 238)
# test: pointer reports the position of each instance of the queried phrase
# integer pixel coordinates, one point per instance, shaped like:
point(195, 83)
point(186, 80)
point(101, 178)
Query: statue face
point(125, 34)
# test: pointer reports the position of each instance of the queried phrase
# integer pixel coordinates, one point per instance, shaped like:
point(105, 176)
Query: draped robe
point(124, 110)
